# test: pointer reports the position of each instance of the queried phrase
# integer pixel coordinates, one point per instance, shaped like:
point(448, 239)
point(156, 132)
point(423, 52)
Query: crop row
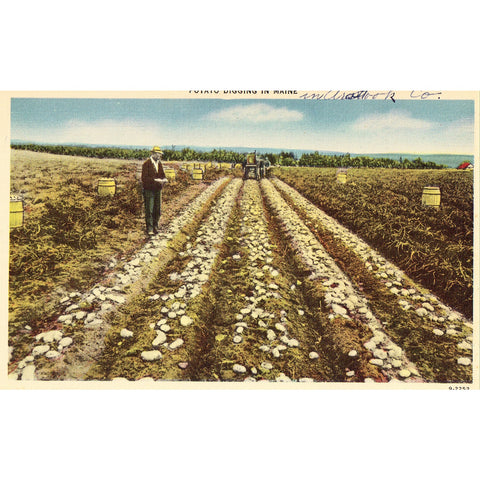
point(89, 309)
point(264, 333)
point(431, 333)
point(250, 281)
point(162, 324)
point(433, 246)
point(340, 296)
point(71, 237)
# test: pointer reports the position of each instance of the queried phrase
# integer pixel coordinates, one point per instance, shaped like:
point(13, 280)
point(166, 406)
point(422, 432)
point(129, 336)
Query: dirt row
point(258, 287)
point(431, 333)
point(82, 319)
point(252, 323)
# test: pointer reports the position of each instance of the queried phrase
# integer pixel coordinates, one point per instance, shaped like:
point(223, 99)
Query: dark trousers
point(153, 205)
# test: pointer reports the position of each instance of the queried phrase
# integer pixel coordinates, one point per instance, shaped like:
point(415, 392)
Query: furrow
point(339, 294)
point(175, 308)
point(269, 328)
point(439, 318)
point(101, 300)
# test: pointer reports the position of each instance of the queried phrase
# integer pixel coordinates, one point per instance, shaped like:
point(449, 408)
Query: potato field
point(293, 278)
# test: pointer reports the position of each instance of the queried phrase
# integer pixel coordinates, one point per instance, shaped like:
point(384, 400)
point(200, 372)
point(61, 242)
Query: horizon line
point(286, 149)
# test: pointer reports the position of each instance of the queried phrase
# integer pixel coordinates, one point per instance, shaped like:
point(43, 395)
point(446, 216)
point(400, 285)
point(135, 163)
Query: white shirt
point(155, 163)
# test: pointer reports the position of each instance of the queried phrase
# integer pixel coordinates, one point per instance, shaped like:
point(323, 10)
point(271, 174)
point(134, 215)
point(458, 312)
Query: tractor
point(256, 166)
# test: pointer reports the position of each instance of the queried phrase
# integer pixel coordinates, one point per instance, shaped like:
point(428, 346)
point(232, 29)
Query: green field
point(383, 206)
point(277, 294)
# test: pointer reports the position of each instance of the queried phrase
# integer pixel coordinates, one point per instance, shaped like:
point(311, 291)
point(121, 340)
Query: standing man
point(153, 180)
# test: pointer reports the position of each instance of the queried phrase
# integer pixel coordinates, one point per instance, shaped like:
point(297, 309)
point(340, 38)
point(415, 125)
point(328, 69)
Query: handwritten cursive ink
point(355, 95)
point(424, 95)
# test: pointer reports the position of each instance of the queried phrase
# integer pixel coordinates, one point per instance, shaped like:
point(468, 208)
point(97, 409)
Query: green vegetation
point(435, 357)
point(283, 158)
point(433, 246)
point(170, 155)
point(122, 358)
point(73, 239)
point(70, 233)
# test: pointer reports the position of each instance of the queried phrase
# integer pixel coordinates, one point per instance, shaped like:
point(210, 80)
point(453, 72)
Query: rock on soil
point(338, 309)
point(65, 342)
point(271, 335)
point(49, 337)
point(125, 333)
point(151, 355)
point(379, 353)
point(464, 345)
point(52, 354)
point(40, 350)
point(161, 338)
point(239, 368)
point(176, 344)
point(186, 321)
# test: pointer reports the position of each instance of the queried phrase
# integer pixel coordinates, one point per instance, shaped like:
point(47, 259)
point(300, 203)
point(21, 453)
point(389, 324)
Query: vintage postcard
point(240, 239)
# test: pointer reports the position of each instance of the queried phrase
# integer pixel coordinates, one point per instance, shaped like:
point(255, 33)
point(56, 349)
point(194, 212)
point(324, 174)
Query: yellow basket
point(170, 173)
point(342, 177)
point(16, 212)
point(197, 174)
point(107, 186)
point(431, 196)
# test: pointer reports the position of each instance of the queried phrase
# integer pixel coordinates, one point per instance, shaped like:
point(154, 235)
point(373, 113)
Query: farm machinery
point(255, 166)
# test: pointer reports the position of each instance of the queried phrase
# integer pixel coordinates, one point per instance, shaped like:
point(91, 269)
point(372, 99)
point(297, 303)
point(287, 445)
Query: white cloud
point(109, 132)
point(391, 121)
point(460, 128)
point(256, 113)
point(380, 133)
point(114, 132)
point(401, 132)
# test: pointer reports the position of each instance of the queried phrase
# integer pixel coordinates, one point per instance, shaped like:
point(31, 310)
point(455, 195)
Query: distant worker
point(153, 180)
point(266, 168)
point(261, 167)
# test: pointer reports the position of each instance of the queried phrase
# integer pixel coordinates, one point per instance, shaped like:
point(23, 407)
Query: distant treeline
point(317, 159)
point(314, 159)
point(186, 154)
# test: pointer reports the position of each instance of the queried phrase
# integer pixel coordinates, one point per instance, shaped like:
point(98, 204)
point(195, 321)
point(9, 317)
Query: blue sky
point(358, 126)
